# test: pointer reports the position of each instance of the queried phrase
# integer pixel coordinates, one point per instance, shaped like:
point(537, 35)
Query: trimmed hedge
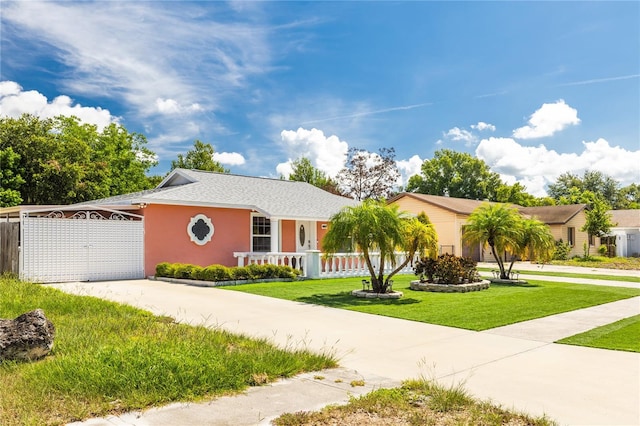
point(224, 273)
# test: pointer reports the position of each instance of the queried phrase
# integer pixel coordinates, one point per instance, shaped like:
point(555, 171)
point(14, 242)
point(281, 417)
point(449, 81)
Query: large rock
point(28, 337)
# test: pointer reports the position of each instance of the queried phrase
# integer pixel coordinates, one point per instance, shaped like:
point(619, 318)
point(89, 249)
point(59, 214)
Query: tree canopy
point(199, 158)
point(573, 189)
point(304, 171)
point(456, 174)
point(373, 226)
point(369, 175)
point(61, 160)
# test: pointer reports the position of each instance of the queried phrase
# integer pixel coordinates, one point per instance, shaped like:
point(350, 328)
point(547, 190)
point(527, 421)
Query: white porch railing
point(313, 264)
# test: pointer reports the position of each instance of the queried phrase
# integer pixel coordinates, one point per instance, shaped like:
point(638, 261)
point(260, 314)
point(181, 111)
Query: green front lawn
point(109, 358)
point(623, 335)
point(500, 305)
point(625, 278)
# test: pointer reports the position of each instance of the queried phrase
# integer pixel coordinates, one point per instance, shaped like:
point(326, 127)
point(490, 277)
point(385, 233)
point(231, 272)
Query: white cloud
point(536, 167)
point(14, 102)
point(328, 154)
point(547, 120)
point(171, 106)
point(457, 134)
point(229, 158)
point(408, 168)
point(483, 126)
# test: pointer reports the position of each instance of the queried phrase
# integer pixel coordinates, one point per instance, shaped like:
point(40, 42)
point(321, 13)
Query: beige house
point(625, 235)
point(449, 215)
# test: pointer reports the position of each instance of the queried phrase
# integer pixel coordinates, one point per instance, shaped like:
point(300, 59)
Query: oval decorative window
point(302, 236)
point(200, 229)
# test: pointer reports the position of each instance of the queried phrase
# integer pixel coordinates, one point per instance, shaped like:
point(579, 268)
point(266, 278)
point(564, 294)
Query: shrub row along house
point(206, 218)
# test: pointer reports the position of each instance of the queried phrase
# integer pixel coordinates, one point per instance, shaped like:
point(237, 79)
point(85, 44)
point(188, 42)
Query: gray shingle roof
point(274, 197)
point(554, 215)
point(625, 218)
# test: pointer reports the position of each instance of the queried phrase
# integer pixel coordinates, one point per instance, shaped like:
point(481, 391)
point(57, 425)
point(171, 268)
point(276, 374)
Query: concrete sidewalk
point(573, 385)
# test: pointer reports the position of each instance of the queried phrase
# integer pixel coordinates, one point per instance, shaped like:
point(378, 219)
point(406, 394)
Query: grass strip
point(501, 304)
point(110, 358)
point(625, 278)
point(417, 402)
point(623, 335)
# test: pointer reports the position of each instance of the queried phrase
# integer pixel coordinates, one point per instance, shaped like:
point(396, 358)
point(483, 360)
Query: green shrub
point(240, 273)
point(255, 271)
point(164, 269)
point(216, 273)
point(562, 250)
point(603, 250)
point(287, 272)
point(224, 273)
point(184, 270)
point(448, 269)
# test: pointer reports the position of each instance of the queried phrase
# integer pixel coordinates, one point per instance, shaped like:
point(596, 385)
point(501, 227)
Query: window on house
point(571, 236)
point(261, 234)
point(592, 240)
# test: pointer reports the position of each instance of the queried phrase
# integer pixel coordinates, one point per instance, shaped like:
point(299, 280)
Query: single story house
point(449, 215)
point(194, 217)
point(625, 235)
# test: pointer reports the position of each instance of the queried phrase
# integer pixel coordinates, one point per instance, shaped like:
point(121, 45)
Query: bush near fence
point(224, 273)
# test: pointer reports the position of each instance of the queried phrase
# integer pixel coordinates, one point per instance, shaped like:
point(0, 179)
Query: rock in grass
point(26, 338)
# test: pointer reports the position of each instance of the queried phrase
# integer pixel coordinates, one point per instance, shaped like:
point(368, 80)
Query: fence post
point(313, 264)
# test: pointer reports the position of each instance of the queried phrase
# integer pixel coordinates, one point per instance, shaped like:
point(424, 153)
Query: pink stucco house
point(194, 217)
point(208, 218)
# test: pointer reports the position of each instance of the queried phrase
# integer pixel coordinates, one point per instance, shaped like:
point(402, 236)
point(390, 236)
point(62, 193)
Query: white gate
point(81, 246)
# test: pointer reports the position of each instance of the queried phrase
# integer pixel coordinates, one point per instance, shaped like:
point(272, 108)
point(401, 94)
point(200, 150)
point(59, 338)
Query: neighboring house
point(449, 215)
point(625, 235)
point(565, 222)
point(194, 217)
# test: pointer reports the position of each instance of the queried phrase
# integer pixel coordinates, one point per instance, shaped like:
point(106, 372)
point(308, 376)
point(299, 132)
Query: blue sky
point(535, 89)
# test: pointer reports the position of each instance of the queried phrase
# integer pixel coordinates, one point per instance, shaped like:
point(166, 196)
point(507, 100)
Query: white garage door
point(81, 246)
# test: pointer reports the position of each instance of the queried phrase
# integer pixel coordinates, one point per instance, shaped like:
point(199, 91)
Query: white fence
point(313, 264)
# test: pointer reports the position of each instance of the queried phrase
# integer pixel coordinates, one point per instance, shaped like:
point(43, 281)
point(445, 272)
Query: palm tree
point(375, 226)
point(536, 241)
point(497, 225)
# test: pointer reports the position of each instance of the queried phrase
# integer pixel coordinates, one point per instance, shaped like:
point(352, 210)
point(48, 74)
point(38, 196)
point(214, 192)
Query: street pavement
point(516, 366)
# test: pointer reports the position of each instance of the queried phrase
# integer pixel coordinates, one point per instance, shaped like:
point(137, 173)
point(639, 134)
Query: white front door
point(305, 236)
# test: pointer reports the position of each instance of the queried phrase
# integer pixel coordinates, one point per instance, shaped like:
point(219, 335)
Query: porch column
point(313, 264)
point(275, 235)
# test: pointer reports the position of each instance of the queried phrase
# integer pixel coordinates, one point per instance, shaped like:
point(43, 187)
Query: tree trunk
point(503, 274)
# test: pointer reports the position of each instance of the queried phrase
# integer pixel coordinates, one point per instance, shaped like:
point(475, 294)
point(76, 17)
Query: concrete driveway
point(516, 366)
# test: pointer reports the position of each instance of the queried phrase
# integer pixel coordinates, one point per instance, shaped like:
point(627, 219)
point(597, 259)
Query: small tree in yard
point(374, 226)
point(598, 220)
point(508, 233)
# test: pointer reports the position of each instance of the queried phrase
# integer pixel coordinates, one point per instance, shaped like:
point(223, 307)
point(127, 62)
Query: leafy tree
point(375, 226)
point(515, 194)
point(369, 175)
point(199, 158)
point(456, 174)
point(598, 221)
point(9, 181)
point(125, 158)
point(61, 160)
point(568, 188)
point(304, 171)
point(629, 197)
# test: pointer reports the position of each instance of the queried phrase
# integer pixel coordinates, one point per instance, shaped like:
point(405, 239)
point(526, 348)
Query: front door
point(305, 236)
